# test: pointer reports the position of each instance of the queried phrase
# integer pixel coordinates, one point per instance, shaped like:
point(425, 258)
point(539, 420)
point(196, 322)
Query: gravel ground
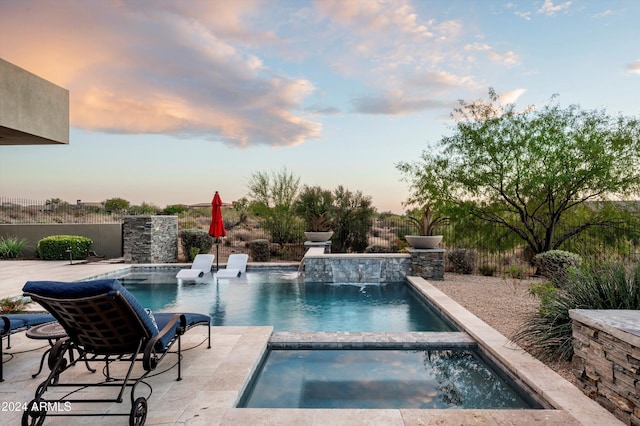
point(504, 304)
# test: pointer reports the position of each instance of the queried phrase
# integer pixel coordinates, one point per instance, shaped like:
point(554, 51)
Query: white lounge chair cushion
point(236, 266)
point(238, 261)
point(201, 265)
point(186, 274)
point(228, 273)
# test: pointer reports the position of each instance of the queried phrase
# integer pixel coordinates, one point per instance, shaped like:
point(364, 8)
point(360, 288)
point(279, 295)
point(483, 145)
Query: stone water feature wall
point(374, 267)
point(150, 239)
point(606, 360)
point(356, 268)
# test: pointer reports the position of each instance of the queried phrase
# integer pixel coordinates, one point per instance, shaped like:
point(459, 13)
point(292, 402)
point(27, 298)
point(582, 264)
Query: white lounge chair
point(201, 265)
point(236, 266)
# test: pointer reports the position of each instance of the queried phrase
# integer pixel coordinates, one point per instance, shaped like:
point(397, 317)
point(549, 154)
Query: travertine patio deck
point(214, 378)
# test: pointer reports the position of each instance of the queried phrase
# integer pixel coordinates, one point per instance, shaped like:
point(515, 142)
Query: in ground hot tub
point(382, 378)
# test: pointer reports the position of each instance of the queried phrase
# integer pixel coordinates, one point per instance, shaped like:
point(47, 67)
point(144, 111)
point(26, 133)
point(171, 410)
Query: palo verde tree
point(528, 170)
point(272, 197)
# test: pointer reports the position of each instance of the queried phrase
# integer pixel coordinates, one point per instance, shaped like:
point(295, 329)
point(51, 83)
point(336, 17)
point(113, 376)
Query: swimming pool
point(283, 300)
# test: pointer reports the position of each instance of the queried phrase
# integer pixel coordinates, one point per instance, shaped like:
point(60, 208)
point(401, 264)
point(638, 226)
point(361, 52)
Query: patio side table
point(51, 331)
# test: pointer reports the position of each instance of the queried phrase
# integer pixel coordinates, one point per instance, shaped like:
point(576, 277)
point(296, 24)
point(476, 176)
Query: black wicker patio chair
point(15, 323)
point(104, 323)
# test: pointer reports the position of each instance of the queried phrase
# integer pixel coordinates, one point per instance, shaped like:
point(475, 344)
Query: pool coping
point(548, 384)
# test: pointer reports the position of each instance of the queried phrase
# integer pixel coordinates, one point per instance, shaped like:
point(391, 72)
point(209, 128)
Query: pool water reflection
point(289, 304)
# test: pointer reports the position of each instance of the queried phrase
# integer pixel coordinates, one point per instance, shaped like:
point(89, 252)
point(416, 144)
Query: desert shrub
point(487, 270)
point(462, 260)
point(378, 249)
point(517, 272)
point(144, 209)
point(556, 265)
point(400, 245)
point(10, 247)
point(260, 250)
point(55, 247)
point(174, 209)
point(548, 334)
point(352, 214)
point(195, 239)
point(242, 235)
point(544, 291)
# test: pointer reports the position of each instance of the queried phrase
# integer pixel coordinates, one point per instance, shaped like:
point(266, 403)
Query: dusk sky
point(173, 100)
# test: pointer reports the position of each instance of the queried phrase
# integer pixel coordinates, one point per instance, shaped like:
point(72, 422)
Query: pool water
point(286, 302)
point(371, 379)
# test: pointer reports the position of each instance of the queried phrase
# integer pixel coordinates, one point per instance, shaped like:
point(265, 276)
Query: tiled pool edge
point(554, 389)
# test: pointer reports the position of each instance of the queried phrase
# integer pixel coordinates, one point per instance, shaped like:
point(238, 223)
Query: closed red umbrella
point(216, 228)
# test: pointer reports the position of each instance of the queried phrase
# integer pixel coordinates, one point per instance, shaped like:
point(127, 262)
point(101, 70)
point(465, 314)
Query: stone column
point(427, 263)
point(150, 239)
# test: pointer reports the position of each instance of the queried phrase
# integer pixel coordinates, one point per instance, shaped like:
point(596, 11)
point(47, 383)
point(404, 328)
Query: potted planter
point(423, 241)
point(318, 236)
point(425, 222)
point(313, 205)
point(319, 230)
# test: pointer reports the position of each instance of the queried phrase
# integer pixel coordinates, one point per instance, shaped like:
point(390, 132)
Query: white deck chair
point(201, 265)
point(236, 266)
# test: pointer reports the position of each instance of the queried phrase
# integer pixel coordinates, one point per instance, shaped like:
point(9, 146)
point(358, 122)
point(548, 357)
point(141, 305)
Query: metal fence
point(386, 233)
point(25, 211)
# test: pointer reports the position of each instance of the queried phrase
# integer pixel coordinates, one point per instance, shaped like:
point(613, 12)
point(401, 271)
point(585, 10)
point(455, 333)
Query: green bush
point(55, 247)
point(548, 334)
point(174, 209)
point(195, 241)
point(260, 250)
point(556, 265)
point(462, 260)
point(10, 247)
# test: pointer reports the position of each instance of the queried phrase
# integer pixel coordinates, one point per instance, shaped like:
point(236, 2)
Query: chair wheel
point(34, 415)
point(138, 412)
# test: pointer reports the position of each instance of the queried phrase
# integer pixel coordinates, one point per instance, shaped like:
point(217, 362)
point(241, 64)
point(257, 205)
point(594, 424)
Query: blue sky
point(173, 100)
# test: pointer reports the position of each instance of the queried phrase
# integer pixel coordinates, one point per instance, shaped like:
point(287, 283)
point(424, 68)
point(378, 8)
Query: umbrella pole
point(217, 257)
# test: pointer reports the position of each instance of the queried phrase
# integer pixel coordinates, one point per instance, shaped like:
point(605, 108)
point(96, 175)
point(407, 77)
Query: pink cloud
point(184, 68)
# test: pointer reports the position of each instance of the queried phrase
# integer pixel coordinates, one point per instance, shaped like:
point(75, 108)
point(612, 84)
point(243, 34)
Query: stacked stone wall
point(150, 239)
point(608, 368)
point(427, 263)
